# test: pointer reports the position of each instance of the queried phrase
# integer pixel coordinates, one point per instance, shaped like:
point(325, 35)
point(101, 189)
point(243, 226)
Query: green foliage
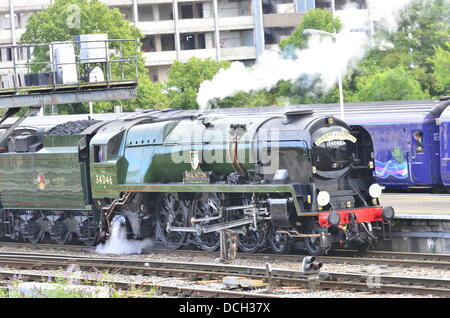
point(392, 84)
point(242, 99)
point(423, 26)
point(151, 95)
point(441, 67)
point(185, 79)
point(319, 19)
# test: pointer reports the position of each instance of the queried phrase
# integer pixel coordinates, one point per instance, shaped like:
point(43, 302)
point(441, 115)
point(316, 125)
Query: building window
point(145, 13)
point(341, 4)
point(167, 42)
point(192, 41)
point(269, 38)
point(201, 43)
point(165, 12)
point(187, 11)
point(9, 54)
point(198, 12)
point(148, 43)
point(6, 22)
point(187, 41)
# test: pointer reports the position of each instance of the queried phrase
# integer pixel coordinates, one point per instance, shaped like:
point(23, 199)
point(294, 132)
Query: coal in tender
point(72, 127)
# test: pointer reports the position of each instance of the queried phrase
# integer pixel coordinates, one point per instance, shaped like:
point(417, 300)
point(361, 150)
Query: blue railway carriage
point(444, 132)
point(411, 141)
point(406, 148)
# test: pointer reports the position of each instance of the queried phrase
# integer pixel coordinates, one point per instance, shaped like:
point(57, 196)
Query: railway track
point(46, 246)
point(338, 256)
point(203, 271)
point(372, 258)
point(336, 253)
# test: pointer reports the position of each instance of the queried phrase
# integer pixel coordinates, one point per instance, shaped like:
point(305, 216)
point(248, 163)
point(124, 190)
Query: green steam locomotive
point(181, 177)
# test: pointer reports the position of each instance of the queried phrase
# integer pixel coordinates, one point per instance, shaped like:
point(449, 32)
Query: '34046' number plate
point(103, 179)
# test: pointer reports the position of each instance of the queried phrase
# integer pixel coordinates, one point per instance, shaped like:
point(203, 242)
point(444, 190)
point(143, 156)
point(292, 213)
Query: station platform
point(418, 205)
point(421, 223)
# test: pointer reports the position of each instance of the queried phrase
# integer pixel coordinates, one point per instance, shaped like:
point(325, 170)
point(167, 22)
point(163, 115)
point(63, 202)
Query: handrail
point(113, 64)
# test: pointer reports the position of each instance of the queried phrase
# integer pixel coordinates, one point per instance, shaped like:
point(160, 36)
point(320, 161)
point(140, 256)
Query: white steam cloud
point(323, 58)
point(119, 244)
point(386, 11)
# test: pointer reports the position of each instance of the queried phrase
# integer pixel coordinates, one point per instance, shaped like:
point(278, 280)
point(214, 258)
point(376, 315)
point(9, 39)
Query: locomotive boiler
point(181, 177)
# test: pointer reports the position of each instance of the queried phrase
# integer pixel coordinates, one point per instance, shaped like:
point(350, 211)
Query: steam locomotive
point(181, 177)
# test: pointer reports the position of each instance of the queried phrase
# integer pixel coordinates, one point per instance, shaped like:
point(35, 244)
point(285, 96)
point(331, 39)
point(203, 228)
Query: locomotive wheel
point(33, 231)
point(206, 205)
point(252, 241)
point(279, 242)
point(63, 235)
point(64, 240)
point(92, 242)
point(170, 210)
point(37, 238)
point(362, 248)
point(312, 244)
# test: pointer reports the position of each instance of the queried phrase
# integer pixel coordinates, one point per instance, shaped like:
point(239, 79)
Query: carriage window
point(418, 140)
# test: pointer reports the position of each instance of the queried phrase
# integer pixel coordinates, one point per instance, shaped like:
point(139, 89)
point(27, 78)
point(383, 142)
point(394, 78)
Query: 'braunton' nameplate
point(197, 177)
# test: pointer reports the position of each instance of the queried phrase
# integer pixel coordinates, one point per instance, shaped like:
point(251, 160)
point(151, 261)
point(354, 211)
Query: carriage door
point(417, 162)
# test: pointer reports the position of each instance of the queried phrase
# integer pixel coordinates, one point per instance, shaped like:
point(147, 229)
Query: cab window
point(99, 153)
point(418, 142)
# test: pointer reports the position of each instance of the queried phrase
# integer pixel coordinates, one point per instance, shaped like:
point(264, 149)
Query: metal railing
point(117, 64)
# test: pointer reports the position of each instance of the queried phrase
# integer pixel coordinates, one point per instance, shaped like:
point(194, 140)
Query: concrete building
point(234, 30)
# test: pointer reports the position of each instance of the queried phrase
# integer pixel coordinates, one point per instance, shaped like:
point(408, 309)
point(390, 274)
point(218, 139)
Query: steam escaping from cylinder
point(323, 59)
point(118, 243)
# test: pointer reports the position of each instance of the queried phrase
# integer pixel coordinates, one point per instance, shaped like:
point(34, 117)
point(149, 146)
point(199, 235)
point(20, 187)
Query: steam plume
point(324, 58)
point(119, 244)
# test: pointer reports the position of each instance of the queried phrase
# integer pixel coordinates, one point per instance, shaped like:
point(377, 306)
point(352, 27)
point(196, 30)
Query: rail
point(205, 271)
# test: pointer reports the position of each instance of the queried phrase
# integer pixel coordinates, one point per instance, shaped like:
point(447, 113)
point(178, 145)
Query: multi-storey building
point(234, 30)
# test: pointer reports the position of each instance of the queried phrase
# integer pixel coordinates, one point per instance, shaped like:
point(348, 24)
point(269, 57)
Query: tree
point(252, 99)
point(392, 84)
point(441, 67)
point(151, 95)
point(185, 79)
point(319, 19)
point(423, 25)
point(66, 18)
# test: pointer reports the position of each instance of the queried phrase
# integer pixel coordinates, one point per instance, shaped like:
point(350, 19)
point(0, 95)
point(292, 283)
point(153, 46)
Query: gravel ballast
point(281, 264)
